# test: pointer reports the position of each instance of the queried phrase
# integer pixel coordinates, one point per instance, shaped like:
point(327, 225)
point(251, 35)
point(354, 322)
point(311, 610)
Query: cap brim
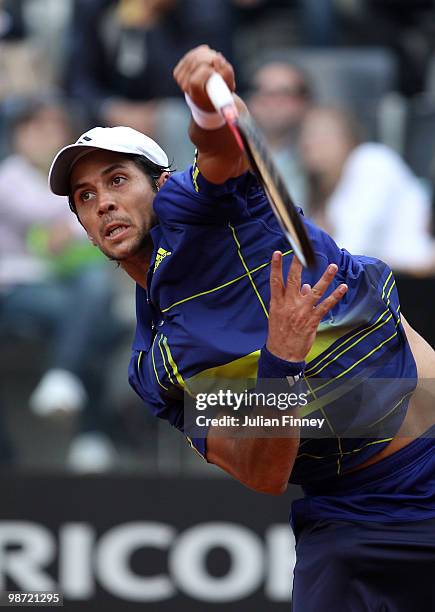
point(63, 163)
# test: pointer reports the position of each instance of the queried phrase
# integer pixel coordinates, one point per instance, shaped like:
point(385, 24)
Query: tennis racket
point(252, 143)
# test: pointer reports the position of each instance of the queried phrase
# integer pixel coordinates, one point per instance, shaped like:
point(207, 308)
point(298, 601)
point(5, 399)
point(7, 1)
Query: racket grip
point(220, 94)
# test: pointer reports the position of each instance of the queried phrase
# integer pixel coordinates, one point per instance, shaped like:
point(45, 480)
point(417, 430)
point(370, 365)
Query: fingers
point(195, 68)
point(276, 282)
point(198, 77)
point(328, 304)
point(306, 297)
point(192, 59)
point(306, 289)
point(294, 278)
point(323, 283)
point(221, 65)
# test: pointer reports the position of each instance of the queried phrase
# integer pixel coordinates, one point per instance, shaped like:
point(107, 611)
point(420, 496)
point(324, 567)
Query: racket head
point(277, 193)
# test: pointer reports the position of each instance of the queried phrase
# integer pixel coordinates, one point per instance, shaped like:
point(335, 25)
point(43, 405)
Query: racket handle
point(220, 94)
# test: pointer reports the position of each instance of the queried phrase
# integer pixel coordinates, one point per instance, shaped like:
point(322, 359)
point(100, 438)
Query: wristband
point(271, 366)
point(205, 120)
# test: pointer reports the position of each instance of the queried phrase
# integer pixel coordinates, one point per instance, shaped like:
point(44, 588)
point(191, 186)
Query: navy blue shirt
point(205, 313)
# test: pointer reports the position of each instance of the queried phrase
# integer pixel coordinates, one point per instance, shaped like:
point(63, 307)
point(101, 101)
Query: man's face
point(113, 199)
point(41, 136)
point(324, 142)
point(279, 101)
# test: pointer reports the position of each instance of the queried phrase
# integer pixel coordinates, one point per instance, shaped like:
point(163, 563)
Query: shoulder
point(192, 183)
point(376, 166)
point(376, 157)
point(188, 198)
point(14, 166)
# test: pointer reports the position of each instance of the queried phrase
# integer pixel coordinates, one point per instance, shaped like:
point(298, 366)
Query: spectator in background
point(12, 25)
point(54, 282)
point(263, 24)
point(280, 97)
point(404, 26)
point(24, 67)
point(364, 195)
point(122, 53)
point(319, 22)
point(282, 24)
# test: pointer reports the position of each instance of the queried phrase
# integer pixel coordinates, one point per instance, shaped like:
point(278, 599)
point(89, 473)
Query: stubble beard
point(141, 245)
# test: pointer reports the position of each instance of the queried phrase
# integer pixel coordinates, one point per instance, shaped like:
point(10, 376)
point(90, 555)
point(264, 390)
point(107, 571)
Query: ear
point(163, 178)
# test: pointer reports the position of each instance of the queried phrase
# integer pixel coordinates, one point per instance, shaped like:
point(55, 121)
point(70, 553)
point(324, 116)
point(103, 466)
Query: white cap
point(118, 139)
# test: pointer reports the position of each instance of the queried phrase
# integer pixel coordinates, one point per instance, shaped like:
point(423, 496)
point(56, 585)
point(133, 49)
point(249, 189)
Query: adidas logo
point(161, 254)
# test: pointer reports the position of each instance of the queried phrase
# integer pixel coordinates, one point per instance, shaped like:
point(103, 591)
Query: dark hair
point(304, 89)
point(150, 169)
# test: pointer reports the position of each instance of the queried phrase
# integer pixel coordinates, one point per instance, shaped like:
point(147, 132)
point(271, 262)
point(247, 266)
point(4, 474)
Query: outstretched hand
point(295, 311)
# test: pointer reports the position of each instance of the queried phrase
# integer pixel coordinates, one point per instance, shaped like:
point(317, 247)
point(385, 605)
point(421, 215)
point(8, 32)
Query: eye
point(85, 196)
point(118, 180)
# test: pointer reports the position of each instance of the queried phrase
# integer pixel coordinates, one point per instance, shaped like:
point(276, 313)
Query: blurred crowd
point(344, 92)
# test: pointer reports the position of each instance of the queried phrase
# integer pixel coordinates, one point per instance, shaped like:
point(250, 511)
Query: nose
point(106, 203)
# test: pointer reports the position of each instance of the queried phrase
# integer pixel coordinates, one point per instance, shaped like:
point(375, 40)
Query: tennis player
point(209, 259)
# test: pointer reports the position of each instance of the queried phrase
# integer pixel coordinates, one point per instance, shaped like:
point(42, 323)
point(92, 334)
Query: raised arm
point(219, 156)
point(261, 463)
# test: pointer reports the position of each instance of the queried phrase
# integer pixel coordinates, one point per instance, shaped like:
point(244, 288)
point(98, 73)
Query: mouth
point(115, 231)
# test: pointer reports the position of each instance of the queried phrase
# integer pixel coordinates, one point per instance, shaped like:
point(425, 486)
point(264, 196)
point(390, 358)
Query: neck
point(138, 265)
